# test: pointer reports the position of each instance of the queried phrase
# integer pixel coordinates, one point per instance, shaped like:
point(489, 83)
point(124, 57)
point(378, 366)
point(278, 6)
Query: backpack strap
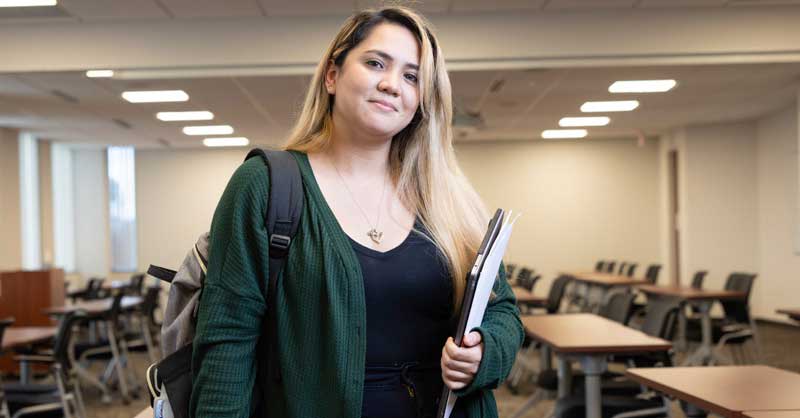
point(286, 199)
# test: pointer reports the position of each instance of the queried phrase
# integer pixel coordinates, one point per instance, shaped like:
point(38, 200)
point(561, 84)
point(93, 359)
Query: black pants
point(403, 390)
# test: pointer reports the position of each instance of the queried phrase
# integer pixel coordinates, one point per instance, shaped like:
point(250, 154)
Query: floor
point(779, 342)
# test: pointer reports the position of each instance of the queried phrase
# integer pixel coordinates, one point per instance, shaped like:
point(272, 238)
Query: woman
point(376, 273)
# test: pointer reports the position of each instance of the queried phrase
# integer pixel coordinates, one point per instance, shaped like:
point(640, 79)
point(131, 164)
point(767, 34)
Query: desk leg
point(24, 372)
point(593, 367)
point(545, 359)
point(564, 377)
point(703, 356)
point(682, 345)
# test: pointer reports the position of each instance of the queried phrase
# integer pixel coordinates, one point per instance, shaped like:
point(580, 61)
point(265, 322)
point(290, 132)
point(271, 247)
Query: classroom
point(194, 227)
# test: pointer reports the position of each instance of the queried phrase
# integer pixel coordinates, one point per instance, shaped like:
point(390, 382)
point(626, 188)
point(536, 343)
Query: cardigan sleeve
point(502, 334)
point(232, 304)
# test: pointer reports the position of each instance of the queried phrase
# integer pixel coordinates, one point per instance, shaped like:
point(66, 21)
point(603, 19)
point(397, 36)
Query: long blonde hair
point(422, 162)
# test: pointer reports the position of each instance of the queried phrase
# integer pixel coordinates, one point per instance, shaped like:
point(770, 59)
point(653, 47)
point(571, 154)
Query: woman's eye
point(411, 77)
point(375, 63)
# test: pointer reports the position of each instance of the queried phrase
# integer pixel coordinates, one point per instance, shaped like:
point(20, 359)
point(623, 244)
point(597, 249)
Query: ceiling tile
point(212, 8)
point(495, 6)
point(113, 9)
point(308, 8)
point(589, 4)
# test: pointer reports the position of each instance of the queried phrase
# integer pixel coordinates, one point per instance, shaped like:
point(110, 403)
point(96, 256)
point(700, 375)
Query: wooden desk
point(525, 297)
point(589, 339)
point(21, 336)
point(725, 390)
point(772, 414)
point(590, 289)
point(703, 299)
point(791, 313)
point(95, 307)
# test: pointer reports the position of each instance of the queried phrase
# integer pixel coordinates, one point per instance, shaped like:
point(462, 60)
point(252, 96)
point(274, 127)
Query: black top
point(408, 294)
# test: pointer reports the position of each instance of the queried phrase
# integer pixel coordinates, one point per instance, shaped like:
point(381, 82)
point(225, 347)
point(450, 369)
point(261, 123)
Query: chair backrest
point(531, 283)
point(150, 302)
point(600, 266)
point(4, 323)
point(63, 338)
point(557, 293)
point(738, 310)
point(510, 270)
point(94, 288)
point(618, 307)
point(661, 317)
point(524, 277)
point(622, 266)
point(697, 279)
point(136, 284)
point(652, 273)
point(631, 269)
point(610, 266)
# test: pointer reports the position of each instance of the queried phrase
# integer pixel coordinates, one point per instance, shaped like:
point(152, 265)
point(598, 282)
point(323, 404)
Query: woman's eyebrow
point(388, 57)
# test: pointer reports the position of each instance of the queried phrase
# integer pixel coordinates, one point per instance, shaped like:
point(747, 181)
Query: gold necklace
point(373, 233)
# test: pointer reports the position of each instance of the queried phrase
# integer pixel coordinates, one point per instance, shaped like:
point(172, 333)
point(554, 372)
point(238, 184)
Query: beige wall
point(10, 230)
point(778, 283)
point(581, 201)
point(176, 194)
point(718, 201)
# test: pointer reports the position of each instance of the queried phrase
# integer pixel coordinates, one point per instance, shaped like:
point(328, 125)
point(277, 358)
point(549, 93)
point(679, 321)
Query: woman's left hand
point(460, 364)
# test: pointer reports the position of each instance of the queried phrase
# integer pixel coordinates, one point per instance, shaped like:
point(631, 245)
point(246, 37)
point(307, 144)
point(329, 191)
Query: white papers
point(486, 281)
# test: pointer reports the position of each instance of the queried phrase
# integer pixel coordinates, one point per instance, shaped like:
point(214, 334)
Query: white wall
point(10, 227)
point(176, 194)
point(92, 242)
point(718, 202)
point(581, 201)
point(778, 284)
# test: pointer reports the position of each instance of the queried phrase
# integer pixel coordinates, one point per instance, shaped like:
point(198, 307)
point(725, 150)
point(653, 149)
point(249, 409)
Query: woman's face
point(376, 88)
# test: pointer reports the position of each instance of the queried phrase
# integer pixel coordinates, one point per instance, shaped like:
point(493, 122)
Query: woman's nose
point(389, 85)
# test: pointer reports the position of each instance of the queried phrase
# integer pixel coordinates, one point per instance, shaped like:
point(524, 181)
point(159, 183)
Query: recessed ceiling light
point(642, 86)
point(612, 106)
point(155, 96)
point(563, 133)
point(208, 130)
point(26, 3)
point(176, 116)
point(584, 121)
point(226, 142)
point(100, 73)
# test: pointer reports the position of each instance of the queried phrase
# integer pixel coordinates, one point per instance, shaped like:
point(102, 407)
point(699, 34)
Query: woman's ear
point(331, 73)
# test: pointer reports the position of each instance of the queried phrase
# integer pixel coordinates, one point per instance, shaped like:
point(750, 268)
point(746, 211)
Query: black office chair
point(618, 307)
point(652, 273)
point(600, 266)
point(510, 270)
point(621, 269)
point(737, 326)
point(631, 270)
point(610, 266)
point(136, 285)
point(698, 278)
point(523, 276)
point(62, 399)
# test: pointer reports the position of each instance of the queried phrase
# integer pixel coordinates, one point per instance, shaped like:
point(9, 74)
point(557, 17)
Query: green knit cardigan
point(320, 309)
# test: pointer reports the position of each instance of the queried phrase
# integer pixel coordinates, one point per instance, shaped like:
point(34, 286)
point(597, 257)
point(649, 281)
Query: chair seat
point(694, 331)
point(17, 387)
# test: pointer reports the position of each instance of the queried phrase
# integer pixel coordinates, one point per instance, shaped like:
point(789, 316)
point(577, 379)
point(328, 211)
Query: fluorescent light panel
point(27, 3)
point(178, 116)
point(100, 73)
point(642, 86)
point(584, 121)
point(155, 96)
point(208, 130)
point(563, 133)
point(226, 142)
point(612, 106)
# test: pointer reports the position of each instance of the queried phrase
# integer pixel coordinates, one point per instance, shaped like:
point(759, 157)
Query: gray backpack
point(170, 380)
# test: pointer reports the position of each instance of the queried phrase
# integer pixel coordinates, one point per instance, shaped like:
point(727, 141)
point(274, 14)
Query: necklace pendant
point(375, 235)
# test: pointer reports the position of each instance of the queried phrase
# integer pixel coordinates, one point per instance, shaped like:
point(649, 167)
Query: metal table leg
point(593, 367)
point(704, 354)
point(564, 377)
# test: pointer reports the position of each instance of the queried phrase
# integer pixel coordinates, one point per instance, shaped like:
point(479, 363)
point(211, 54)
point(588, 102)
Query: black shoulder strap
point(286, 199)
